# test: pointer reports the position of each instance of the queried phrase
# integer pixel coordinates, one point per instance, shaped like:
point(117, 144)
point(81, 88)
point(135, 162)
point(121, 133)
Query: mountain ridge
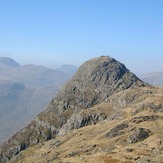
point(104, 73)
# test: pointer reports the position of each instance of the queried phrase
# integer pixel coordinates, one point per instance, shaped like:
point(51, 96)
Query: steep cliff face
point(95, 81)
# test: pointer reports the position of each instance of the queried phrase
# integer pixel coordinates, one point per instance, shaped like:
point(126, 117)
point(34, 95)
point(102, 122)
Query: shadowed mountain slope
point(24, 93)
point(95, 81)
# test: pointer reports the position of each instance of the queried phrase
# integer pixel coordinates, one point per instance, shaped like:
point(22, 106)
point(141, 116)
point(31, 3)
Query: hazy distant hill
point(24, 92)
point(9, 95)
point(68, 69)
point(8, 62)
point(155, 78)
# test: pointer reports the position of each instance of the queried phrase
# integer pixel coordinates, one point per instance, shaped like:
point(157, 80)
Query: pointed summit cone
point(95, 81)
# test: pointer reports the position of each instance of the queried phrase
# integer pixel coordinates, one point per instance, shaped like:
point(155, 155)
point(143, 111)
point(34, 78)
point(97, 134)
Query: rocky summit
point(103, 114)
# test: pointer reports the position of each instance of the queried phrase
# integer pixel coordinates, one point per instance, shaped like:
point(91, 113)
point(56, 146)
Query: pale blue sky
point(55, 32)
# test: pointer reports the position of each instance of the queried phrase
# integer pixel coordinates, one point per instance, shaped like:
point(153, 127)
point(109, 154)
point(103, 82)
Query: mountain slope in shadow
point(25, 92)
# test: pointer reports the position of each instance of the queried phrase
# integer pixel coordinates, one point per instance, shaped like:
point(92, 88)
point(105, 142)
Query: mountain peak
point(96, 80)
point(8, 62)
point(94, 83)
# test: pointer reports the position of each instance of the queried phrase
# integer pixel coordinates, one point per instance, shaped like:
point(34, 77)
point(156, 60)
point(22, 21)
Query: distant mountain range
point(67, 69)
point(25, 92)
point(155, 78)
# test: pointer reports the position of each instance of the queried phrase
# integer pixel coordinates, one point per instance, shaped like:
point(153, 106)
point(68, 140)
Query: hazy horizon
point(55, 33)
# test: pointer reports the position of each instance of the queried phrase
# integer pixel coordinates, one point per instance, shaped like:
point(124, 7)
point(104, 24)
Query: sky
point(56, 32)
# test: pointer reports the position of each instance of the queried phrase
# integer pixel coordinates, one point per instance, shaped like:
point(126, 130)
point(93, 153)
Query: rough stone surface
point(139, 135)
point(116, 131)
point(78, 120)
point(144, 118)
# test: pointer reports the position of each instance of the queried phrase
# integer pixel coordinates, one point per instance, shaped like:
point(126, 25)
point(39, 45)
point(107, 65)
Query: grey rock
point(140, 119)
point(152, 106)
point(138, 135)
point(78, 120)
point(116, 131)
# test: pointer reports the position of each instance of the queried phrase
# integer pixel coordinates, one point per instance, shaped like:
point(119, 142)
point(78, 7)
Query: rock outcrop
point(138, 135)
point(94, 83)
